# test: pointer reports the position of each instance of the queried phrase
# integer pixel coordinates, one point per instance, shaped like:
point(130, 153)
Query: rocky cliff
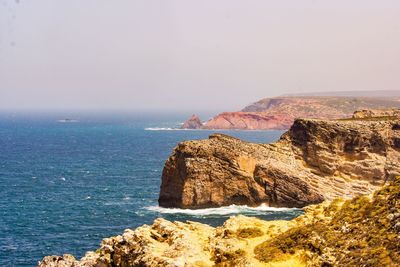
point(280, 112)
point(315, 160)
point(249, 121)
point(364, 231)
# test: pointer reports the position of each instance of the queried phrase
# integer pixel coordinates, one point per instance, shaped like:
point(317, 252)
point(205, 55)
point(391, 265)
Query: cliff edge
point(315, 160)
point(364, 231)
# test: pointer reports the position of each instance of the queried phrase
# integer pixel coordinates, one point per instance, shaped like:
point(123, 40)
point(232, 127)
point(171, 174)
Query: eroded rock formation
point(314, 161)
point(364, 231)
point(193, 122)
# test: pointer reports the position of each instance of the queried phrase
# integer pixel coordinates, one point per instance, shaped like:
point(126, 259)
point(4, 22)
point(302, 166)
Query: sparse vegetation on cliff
point(381, 118)
point(249, 232)
point(361, 232)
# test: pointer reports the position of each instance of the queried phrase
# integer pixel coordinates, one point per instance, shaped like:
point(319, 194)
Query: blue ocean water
point(66, 185)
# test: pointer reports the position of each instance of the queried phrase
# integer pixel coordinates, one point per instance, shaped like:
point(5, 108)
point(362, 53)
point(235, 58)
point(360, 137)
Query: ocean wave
point(226, 210)
point(161, 129)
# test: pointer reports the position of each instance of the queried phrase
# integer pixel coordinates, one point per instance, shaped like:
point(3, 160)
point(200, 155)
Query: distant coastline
point(279, 113)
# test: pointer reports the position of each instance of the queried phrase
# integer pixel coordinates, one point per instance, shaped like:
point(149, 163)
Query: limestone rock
point(363, 231)
point(58, 261)
point(314, 161)
point(376, 113)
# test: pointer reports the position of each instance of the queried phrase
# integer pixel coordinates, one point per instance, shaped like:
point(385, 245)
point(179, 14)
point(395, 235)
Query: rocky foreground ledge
point(315, 160)
point(364, 231)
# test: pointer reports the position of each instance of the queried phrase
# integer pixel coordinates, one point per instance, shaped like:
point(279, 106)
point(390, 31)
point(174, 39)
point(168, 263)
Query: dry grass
point(362, 232)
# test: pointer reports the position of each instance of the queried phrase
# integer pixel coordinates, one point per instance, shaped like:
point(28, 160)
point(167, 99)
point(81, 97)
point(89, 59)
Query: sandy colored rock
point(358, 232)
point(315, 160)
point(376, 113)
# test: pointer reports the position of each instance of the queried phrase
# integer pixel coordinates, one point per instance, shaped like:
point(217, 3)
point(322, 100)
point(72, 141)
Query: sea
point(70, 179)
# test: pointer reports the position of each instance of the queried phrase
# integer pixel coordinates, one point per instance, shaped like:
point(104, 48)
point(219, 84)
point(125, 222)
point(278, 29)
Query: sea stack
point(193, 122)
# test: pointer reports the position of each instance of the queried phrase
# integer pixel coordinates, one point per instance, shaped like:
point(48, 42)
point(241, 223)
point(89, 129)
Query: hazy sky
point(216, 54)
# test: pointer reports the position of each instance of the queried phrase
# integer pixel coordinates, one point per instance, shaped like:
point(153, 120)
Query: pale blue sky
point(192, 54)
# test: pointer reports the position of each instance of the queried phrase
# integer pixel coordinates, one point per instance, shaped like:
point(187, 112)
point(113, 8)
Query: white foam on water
point(160, 129)
point(227, 210)
point(168, 129)
point(67, 120)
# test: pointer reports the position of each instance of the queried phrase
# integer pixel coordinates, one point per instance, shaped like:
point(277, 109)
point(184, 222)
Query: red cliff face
point(280, 112)
point(249, 121)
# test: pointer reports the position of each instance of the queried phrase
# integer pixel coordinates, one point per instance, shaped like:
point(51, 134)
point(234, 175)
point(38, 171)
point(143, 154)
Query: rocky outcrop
point(376, 113)
point(280, 112)
point(193, 122)
point(364, 231)
point(315, 160)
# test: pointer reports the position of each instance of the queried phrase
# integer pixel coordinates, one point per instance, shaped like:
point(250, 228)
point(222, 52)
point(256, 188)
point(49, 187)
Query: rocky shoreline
point(348, 170)
point(364, 231)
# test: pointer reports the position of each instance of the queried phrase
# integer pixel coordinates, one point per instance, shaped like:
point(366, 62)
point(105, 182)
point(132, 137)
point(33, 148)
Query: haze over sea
point(66, 185)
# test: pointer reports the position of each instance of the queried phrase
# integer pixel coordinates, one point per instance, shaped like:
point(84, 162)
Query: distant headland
point(279, 113)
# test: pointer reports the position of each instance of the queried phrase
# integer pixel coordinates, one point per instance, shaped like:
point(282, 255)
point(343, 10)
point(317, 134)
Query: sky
point(191, 55)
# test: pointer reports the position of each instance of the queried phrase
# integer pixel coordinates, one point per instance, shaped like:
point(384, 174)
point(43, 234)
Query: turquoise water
point(65, 186)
